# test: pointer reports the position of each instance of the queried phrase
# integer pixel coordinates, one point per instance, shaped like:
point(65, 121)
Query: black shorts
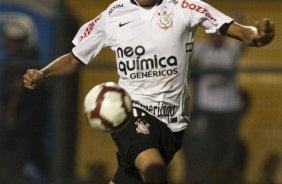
point(143, 132)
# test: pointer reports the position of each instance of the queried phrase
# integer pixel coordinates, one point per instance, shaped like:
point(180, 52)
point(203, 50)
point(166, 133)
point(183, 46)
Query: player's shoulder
point(191, 5)
point(189, 1)
point(119, 3)
point(182, 2)
point(116, 5)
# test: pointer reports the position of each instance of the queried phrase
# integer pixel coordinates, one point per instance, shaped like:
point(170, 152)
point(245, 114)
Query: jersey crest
point(165, 18)
point(142, 127)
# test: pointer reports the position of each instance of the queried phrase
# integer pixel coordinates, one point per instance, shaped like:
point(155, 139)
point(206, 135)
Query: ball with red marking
point(107, 107)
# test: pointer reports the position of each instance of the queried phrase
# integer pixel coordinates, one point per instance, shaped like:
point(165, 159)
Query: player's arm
point(62, 66)
point(259, 35)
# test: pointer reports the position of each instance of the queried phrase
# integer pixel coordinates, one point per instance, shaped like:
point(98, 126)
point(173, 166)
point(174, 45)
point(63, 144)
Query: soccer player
point(153, 41)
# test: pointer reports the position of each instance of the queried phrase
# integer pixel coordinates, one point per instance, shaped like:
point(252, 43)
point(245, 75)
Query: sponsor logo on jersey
point(165, 20)
point(159, 110)
point(197, 8)
point(115, 7)
point(90, 27)
point(123, 24)
point(132, 62)
point(175, 2)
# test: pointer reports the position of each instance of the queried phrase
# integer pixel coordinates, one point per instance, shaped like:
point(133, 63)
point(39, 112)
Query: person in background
point(218, 106)
point(24, 112)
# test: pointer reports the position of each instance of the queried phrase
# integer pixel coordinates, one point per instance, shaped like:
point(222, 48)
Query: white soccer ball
point(107, 107)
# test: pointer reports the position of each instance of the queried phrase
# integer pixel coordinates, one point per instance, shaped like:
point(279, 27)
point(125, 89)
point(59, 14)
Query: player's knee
point(154, 173)
point(151, 166)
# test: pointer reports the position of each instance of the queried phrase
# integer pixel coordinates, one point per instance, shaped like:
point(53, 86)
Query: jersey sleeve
point(90, 39)
point(198, 13)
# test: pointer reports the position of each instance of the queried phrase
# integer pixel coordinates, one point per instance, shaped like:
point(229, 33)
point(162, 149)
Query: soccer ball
point(107, 107)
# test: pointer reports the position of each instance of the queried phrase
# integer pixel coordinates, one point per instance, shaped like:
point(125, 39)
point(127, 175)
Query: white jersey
point(153, 48)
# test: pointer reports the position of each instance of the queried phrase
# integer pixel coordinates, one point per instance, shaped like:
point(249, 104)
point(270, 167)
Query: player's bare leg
point(151, 166)
point(111, 182)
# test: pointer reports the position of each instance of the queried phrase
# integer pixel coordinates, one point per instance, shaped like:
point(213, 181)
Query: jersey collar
point(134, 2)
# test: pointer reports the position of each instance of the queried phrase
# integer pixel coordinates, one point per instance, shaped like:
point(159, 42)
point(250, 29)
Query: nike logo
point(123, 24)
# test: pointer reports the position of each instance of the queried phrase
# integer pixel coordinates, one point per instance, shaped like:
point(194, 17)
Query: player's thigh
point(151, 161)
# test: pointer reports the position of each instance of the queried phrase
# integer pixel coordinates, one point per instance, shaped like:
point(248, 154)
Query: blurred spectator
point(213, 142)
point(24, 112)
point(17, 46)
point(270, 169)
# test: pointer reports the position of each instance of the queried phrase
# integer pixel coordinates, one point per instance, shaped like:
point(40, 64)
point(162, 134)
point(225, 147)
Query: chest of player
point(159, 27)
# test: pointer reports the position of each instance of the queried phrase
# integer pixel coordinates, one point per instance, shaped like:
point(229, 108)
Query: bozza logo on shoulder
point(197, 8)
point(132, 61)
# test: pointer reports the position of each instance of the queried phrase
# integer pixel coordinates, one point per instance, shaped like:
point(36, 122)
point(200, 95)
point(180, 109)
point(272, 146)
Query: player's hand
point(32, 78)
point(265, 32)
